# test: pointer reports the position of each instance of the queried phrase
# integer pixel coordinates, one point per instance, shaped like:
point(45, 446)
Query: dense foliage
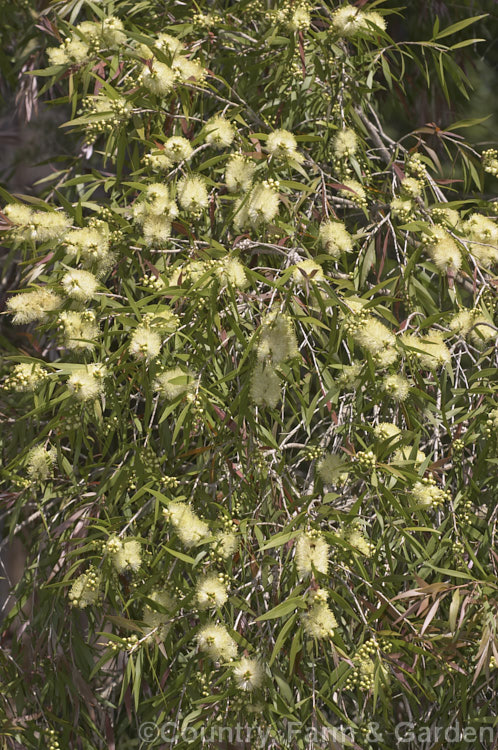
point(250, 442)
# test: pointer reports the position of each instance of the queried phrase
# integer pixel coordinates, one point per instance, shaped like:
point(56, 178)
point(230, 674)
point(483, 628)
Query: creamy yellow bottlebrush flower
point(49, 225)
point(462, 322)
point(241, 214)
point(170, 43)
point(426, 494)
point(164, 42)
point(470, 322)
point(158, 161)
point(211, 592)
point(299, 18)
point(219, 132)
point(112, 32)
point(239, 173)
point(385, 430)
point(156, 620)
point(158, 78)
point(145, 344)
point(404, 455)
point(18, 213)
point(277, 341)
point(332, 469)
point(283, 145)
point(412, 187)
point(375, 337)
point(355, 537)
point(29, 307)
point(192, 194)
point(231, 271)
point(345, 143)
point(87, 384)
point(372, 17)
point(57, 55)
point(482, 234)
point(312, 552)
point(320, 622)
point(265, 386)
point(40, 462)
point(216, 641)
point(155, 212)
point(159, 201)
point(248, 674)
point(80, 285)
point(85, 590)
point(187, 70)
point(307, 271)
point(335, 238)
point(125, 555)
point(263, 204)
point(156, 229)
point(348, 20)
point(79, 329)
point(174, 382)
point(482, 332)
point(72, 50)
point(402, 208)
point(436, 353)
point(189, 527)
point(356, 192)
point(177, 148)
point(443, 250)
point(225, 544)
point(349, 374)
point(396, 386)
point(26, 376)
point(386, 357)
point(90, 243)
point(89, 29)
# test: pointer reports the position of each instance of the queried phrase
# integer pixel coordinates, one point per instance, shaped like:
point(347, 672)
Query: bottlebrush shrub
point(251, 444)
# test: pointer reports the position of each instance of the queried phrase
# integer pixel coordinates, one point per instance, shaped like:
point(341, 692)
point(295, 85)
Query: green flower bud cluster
point(152, 282)
point(128, 644)
point(366, 460)
point(363, 674)
point(490, 161)
point(465, 510)
point(314, 452)
point(415, 166)
point(206, 20)
point(113, 111)
point(150, 459)
point(204, 685)
point(169, 483)
point(197, 404)
point(53, 743)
